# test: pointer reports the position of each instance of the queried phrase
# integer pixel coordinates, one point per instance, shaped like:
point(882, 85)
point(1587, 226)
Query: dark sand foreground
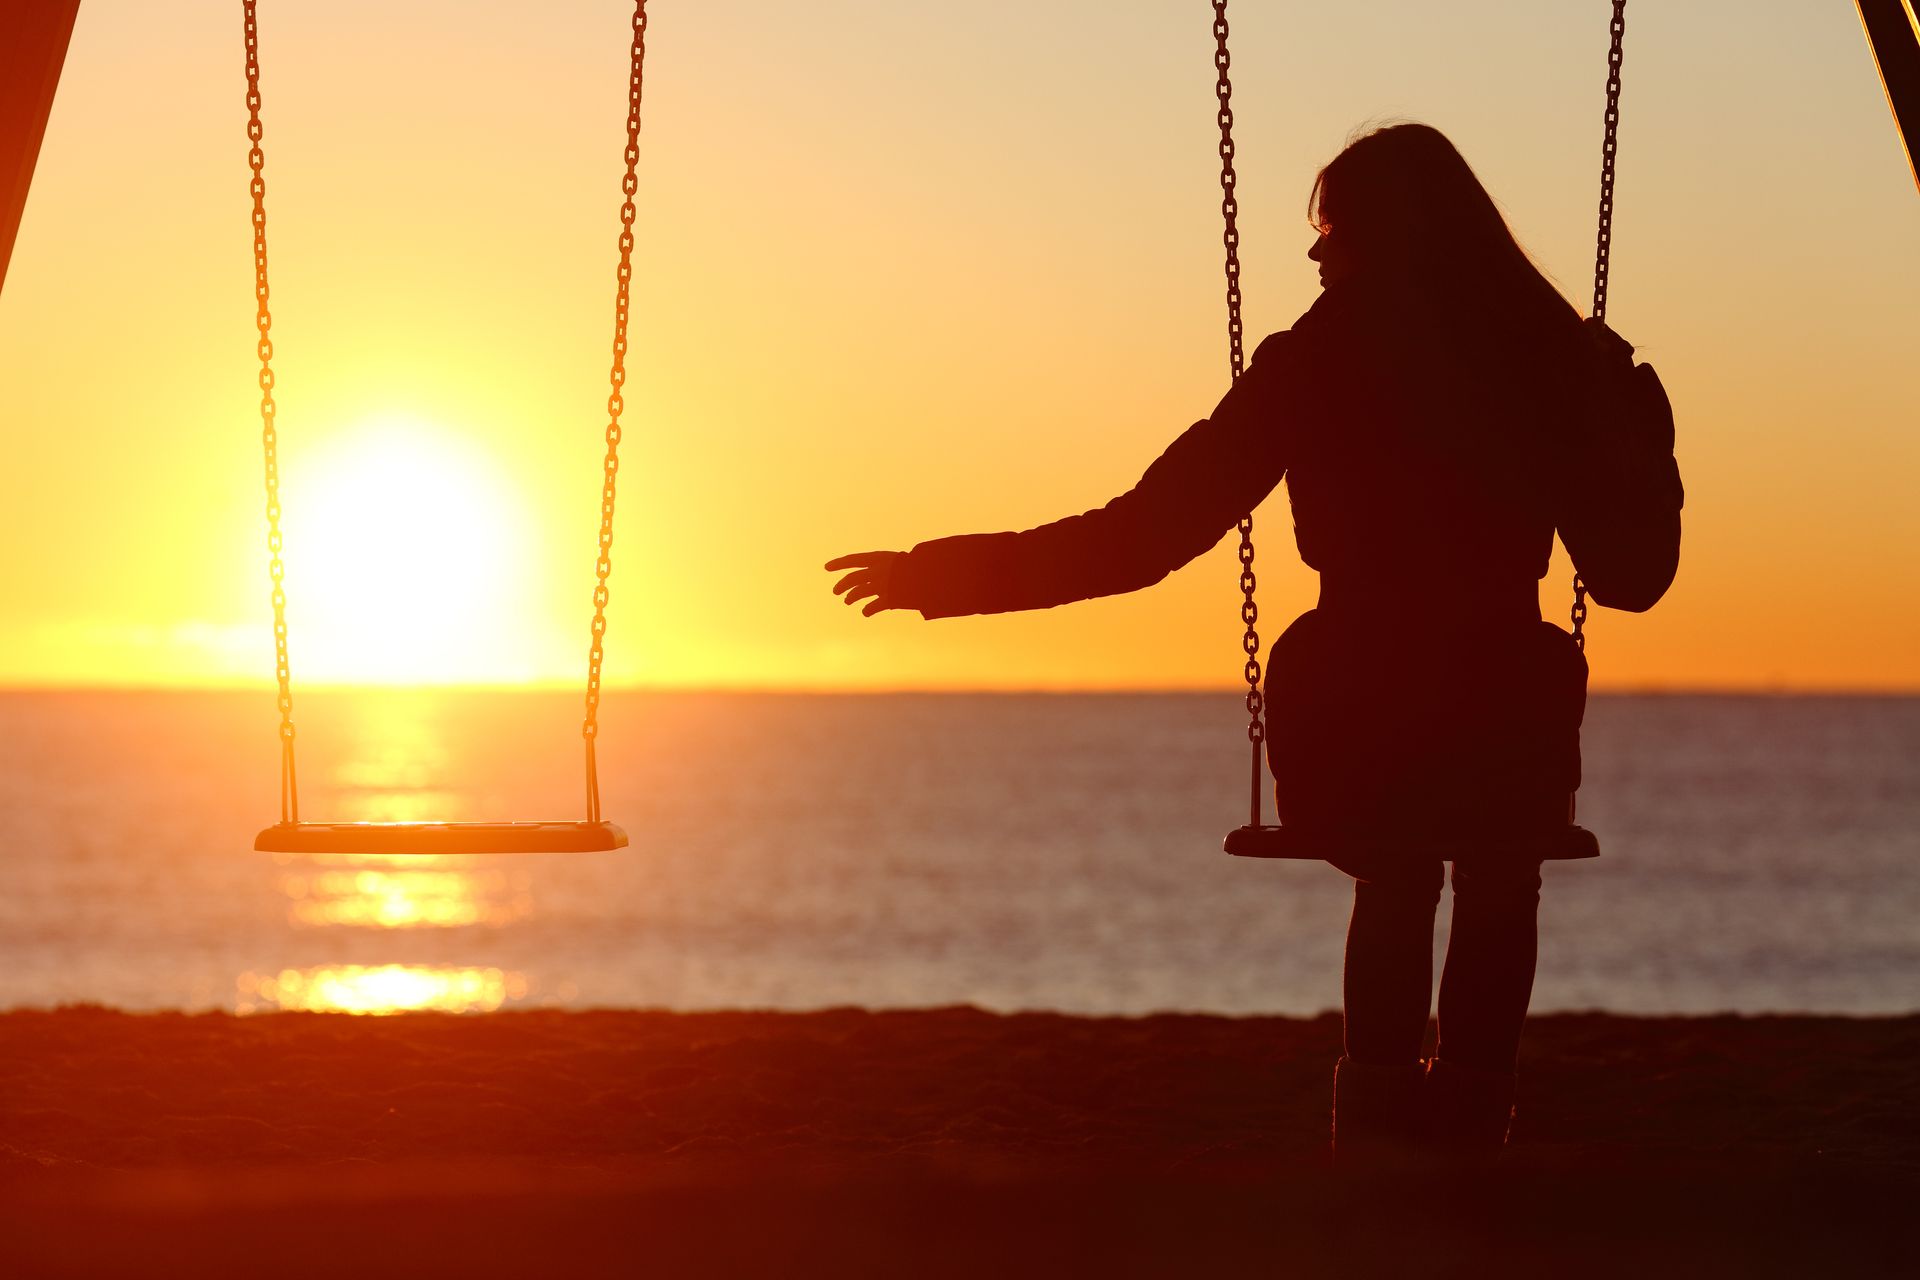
point(936, 1142)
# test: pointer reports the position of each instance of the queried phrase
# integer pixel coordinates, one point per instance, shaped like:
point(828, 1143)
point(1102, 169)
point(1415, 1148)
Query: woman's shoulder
point(1343, 320)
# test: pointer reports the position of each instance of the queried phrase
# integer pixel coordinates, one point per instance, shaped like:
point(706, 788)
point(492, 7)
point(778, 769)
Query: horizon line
point(1779, 690)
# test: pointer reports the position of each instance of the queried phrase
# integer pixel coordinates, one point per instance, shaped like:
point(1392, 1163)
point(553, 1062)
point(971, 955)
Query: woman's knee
point(1411, 886)
point(1512, 885)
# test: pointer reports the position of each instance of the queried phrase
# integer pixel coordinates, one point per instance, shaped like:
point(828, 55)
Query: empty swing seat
point(414, 838)
point(1318, 845)
point(433, 838)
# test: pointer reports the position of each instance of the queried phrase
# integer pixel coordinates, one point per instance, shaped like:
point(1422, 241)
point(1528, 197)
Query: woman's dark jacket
point(1428, 461)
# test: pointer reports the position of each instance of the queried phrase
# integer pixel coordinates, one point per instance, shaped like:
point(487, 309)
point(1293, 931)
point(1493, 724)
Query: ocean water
point(795, 851)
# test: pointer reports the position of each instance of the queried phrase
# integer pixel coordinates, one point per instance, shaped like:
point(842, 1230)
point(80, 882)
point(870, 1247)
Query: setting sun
point(406, 553)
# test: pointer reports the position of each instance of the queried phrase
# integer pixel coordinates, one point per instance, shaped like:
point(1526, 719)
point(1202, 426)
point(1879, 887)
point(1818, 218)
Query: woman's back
point(1425, 447)
point(1421, 454)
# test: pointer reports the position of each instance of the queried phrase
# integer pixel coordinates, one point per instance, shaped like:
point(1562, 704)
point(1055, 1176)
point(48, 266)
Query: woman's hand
point(871, 579)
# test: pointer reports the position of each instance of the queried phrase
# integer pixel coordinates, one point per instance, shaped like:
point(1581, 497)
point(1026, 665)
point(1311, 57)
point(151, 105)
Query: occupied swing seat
point(417, 838)
point(1467, 749)
point(1553, 845)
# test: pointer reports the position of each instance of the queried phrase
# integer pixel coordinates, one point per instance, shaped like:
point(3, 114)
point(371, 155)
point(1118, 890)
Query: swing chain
point(1230, 237)
point(1603, 242)
point(1610, 144)
point(1229, 205)
point(616, 402)
point(269, 435)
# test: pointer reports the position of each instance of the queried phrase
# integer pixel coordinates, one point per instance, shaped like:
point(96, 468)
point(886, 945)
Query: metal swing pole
point(1893, 33)
point(33, 48)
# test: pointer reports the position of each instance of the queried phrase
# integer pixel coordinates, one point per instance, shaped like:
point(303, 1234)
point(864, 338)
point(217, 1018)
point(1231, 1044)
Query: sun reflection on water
point(401, 750)
point(397, 760)
point(379, 989)
point(373, 892)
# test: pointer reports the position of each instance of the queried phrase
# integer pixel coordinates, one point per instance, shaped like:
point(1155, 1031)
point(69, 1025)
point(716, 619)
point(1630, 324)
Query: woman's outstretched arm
point(1217, 471)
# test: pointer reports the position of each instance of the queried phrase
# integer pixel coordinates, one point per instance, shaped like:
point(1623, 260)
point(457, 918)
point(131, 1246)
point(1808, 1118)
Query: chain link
point(1603, 241)
point(617, 379)
point(1236, 353)
point(269, 435)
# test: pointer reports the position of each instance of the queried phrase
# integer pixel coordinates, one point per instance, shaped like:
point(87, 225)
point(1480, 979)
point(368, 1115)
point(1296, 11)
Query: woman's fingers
point(854, 585)
point(858, 560)
point(870, 574)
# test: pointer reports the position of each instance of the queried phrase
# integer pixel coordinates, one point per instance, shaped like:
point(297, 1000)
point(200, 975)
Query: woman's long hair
point(1411, 210)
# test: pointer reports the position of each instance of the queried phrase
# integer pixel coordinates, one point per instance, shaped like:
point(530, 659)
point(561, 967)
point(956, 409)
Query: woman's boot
point(1377, 1114)
point(1468, 1110)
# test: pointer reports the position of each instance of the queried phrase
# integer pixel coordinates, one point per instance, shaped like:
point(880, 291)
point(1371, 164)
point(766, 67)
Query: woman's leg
point(1388, 984)
point(1491, 951)
point(1377, 1086)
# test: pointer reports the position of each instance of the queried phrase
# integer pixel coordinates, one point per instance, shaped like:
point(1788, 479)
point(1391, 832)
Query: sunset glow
point(406, 555)
point(1002, 323)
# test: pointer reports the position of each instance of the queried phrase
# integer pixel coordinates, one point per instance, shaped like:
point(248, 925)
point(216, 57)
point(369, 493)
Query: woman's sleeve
point(1217, 471)
point(1620, 496)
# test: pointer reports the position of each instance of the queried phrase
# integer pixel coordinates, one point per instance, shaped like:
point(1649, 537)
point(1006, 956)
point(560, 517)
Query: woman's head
point(1400, 203)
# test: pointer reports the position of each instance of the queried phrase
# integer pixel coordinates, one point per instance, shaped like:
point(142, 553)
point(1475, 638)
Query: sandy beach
point(926, 1142)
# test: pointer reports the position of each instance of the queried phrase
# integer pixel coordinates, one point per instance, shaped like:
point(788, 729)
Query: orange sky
point(884, 250)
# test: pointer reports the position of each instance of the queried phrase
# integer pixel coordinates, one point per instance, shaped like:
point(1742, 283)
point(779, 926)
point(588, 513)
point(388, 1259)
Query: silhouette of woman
point(1423, 413)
